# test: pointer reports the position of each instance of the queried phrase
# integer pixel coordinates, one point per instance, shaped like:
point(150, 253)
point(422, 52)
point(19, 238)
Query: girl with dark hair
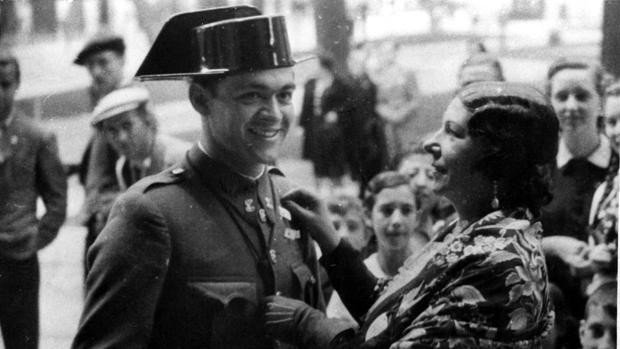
point(482, 282)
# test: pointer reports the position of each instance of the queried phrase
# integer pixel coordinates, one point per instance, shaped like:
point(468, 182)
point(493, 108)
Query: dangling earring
point(495, 201)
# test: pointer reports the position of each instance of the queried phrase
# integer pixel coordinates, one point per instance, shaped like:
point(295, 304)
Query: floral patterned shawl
point(483, 287)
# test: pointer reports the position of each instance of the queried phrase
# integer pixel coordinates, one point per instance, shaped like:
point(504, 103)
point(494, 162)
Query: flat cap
point(119, 101)
point(102, 41)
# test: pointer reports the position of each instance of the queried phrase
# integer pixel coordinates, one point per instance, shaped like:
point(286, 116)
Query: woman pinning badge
point(482, 281)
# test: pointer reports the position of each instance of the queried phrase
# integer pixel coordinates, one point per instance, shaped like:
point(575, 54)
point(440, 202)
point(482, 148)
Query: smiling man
point(187, 254)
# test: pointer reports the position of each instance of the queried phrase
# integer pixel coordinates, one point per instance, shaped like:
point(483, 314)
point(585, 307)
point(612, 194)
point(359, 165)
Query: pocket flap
point(303, 273)
point(226, 292)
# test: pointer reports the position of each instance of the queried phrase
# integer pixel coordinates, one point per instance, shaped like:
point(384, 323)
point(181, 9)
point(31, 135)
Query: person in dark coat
point(325, 114)
point(584, 161)
point(30, 169)
point(366, 145)
point(187, 254)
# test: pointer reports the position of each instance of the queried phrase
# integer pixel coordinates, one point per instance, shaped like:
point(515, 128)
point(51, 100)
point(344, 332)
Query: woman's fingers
point(302, 197)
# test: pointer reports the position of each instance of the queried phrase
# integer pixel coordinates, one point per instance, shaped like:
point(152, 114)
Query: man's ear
point(199, 97)
point(582, 330)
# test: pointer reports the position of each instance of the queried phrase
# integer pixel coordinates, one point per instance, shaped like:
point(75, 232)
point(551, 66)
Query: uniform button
point(278, 293)
point(272, 254)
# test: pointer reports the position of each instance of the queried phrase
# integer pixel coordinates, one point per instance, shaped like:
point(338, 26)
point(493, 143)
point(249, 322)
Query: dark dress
point(324, 141)
point(366, 147)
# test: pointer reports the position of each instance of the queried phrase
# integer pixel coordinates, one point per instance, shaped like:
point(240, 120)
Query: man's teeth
point(265, 133)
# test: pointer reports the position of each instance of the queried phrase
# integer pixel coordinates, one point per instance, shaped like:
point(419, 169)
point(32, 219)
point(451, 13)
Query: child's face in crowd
point(598, 330)
point(350, 227)
point(419, 168)
point(394, 217)
point(612, 122)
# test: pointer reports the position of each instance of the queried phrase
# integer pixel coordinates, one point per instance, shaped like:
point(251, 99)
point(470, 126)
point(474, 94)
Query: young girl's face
point(394, 217)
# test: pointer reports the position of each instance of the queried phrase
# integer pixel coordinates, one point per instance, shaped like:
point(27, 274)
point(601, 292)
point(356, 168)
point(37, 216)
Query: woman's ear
point(199, 97)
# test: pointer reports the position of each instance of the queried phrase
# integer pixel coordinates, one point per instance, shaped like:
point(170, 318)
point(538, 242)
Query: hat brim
point(206, 73)
point(110, 113)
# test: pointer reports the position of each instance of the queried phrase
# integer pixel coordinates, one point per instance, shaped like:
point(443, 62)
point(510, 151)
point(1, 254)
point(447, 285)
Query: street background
point(52, 90)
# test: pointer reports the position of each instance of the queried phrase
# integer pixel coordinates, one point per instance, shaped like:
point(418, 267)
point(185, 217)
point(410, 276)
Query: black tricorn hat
point(215, 42)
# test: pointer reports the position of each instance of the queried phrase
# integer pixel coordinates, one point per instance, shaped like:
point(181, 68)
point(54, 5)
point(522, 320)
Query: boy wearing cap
point(30, 169)
point(187, 254)
point(103, 56)
point(127, 123)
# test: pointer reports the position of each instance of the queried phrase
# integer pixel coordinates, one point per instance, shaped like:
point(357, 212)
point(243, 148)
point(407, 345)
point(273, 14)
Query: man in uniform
point(187, 254)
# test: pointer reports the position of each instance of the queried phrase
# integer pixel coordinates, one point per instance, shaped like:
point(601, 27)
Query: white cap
point(119, 101)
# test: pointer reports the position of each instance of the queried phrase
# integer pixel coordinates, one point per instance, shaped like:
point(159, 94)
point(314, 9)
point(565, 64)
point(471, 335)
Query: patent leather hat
point(215, 42)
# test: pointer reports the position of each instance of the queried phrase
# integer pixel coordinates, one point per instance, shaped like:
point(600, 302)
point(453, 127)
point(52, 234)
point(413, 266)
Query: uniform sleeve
point(128, 265)
point(52, 187)
point(350, 277)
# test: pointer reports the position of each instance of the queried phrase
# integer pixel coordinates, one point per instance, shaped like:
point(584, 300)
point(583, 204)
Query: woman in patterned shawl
point(480, 283)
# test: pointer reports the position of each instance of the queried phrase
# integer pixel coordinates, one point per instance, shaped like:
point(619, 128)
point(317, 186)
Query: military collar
point(218, 173)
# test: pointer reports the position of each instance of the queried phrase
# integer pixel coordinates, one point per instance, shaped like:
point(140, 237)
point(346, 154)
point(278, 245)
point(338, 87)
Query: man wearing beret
point(187, 255)
point(128, 124)
point(104, 58)
point(30, 169)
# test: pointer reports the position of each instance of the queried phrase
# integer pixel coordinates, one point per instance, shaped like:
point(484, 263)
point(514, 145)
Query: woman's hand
point(310, 214)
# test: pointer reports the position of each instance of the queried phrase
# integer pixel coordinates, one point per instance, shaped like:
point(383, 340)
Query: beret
point(100, 42)
point(119, 101)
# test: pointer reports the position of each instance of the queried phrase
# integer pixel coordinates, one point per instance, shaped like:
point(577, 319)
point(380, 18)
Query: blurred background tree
point(333, 30)
point(610, 52)
point(9, 22)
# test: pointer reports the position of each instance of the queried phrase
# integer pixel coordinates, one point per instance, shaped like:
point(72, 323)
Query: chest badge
point(268, 202)
point(249, 205)
point(263, 215)
point(292, 234)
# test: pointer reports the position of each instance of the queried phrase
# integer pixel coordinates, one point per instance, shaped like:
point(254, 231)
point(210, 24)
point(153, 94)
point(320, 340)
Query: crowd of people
point(499, 230)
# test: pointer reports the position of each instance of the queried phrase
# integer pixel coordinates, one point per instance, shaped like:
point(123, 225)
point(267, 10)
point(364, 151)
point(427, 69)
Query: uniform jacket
point(31, 170)
point(187, 255)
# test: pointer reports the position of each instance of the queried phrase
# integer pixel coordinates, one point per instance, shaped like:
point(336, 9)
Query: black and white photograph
point(309, 174)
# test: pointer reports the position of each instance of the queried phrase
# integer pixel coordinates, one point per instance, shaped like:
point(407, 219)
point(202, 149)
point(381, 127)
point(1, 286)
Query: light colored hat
point(119, 101)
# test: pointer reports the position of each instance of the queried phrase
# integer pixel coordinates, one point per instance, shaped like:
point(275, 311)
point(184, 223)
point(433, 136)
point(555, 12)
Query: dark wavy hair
point(519, 131)
point(387, 179)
